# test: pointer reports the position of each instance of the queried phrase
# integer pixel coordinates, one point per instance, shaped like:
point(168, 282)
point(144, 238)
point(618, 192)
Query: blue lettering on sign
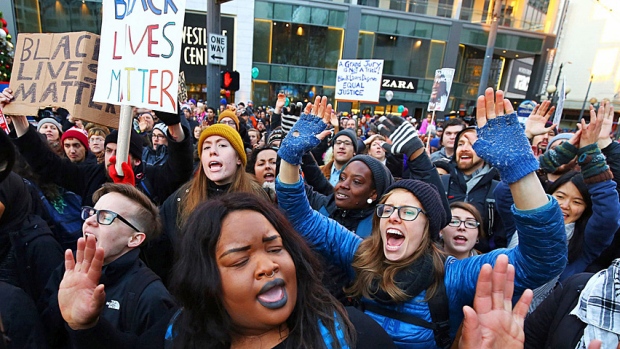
point(123, 8)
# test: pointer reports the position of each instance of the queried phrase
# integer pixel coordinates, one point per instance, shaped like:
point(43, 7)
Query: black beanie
point(349, 133)
point(431, 202)
point(135, 144)
point(380, 174)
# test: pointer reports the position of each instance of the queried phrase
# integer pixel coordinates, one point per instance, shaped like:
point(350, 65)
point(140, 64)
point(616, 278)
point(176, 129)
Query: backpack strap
point(138, 283)
point(440, 314)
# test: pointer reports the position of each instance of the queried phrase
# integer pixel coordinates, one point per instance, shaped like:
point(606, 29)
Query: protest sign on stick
point(58, 70)
point(441, 89)
point(359, 80)
point(139, 59)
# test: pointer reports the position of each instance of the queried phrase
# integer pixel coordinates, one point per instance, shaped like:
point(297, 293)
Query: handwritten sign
point(140, 53)
point(359, 80)
point(560, 106)
point(58, 70)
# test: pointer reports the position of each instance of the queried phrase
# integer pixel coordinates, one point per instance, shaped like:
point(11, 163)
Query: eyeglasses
point(406, 213)
point(469, 223)
point(228, 122)
point(105, 217)
point(158, 136)
point(346, 143)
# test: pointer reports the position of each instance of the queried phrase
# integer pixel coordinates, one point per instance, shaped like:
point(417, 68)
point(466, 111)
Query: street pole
point(213, 71)
point(585, 100)
point(488, 54)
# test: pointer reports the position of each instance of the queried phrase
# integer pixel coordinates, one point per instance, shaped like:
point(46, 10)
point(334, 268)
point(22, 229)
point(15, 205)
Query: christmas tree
point(6, 51)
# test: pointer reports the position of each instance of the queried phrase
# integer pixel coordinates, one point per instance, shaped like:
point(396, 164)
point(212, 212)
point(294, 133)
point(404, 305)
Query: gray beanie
point(49, 121)
point(381, 175)
point(561, 136)
point(349, 133)
point(162, 127)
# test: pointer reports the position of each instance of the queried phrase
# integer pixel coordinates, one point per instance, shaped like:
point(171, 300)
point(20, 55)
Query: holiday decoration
point(6, 51)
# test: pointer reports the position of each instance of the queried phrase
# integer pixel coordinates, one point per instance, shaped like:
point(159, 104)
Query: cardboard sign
point(140, 53)
point(559, 108)
point(441, 89)
point(58, 70)
point(359, 80)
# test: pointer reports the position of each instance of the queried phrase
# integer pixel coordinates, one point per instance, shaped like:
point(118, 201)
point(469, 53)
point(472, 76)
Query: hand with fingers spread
point(402, 134)
point(303, 136)
point(493, 323)
point(606, 111)
point(535, 123)
point(501, 141)
point(280, 103)
point(80, 296)
point(593, 164)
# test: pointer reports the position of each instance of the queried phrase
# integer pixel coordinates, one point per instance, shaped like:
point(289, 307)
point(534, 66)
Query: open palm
point(535, 123)
point(80, 296)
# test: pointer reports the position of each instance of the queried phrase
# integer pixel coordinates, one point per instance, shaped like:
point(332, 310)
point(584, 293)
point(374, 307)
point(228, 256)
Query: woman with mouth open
point(221, 170)
point(463, 231)
point(264, 165)
point(398, 269)
point(244, 279)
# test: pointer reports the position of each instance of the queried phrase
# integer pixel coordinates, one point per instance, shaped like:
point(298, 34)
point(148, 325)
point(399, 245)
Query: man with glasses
point(344, 148)
point(158, 153)
point(135, 298)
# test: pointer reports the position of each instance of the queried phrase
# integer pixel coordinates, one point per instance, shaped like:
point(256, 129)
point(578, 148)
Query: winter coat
point(152, 304)
point(540, 256)
point(551, 325)
point(20, 318)
point(157, 182)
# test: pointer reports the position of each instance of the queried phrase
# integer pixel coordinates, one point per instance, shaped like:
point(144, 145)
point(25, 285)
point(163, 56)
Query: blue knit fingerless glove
point(301, 138)
point(503, 144)
point(554, 158)
point(593, 165)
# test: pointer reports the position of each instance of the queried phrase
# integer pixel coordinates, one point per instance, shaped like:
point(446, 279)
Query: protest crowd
point(297, 225)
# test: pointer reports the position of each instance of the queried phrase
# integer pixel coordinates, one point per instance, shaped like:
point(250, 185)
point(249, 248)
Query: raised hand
point(535, 123)
point(606, 111)
point(303, 136)
point(590, 133)
point(501, 141)
point(402, 136)
point(6, 97)
point(280, 102)
point(80, 296)
point(493, 323)
point(128, 175)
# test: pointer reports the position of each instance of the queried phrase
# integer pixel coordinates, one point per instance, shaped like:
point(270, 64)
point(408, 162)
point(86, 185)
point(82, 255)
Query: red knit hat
point(76, 133)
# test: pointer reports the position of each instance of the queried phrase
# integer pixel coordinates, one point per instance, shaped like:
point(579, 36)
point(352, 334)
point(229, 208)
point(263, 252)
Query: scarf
point(413, 279)
point(599, 308)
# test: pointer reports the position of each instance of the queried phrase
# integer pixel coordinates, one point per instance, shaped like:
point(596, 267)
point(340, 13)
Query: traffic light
point(230, 80)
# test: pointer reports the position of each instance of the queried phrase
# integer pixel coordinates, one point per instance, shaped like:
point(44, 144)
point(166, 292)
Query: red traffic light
point(230, 80)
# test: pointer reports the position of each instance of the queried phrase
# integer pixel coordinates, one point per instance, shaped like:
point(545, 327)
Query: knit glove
point(168, 118)
point(403, 135)
point(594, 168)
point(128, 175)
point(503, 144)
point(301, 138)
point(287, 122)
point(554, 158)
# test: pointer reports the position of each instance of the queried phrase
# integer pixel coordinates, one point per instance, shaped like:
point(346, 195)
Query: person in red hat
point(75, 144)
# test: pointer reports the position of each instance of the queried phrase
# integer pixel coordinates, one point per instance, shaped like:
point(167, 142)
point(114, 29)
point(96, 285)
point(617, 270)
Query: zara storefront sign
point(399, 84)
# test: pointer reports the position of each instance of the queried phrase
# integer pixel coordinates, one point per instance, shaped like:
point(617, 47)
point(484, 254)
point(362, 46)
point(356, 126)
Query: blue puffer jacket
point(539, 257)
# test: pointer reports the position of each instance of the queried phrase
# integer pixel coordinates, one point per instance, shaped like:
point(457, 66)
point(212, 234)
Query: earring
point(369, 201)
point(477, 240)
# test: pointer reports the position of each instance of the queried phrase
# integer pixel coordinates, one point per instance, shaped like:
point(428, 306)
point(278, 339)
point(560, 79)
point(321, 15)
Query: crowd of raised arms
point(299, 226)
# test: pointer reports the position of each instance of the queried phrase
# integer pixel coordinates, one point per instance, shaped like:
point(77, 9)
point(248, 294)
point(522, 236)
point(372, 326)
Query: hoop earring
point(369, 201)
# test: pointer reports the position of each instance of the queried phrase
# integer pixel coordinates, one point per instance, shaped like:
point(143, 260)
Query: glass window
point(262, 35)
point(387, 25)
point(301, 14)
point(261, 92)
point(282, 12)
point(419, 58)
point(435, 58)
point(423, 30)
point(337, 19)
point(279, 73)
point(314, 76)
point(405, 27)
point(370, 23)
point(297, 74)
point(366, 45)
point(320, 16)
point(333, 47)
point(263, 9)
point(530, 45)
point(329, 78)
point(264, 71)
point(441, 32)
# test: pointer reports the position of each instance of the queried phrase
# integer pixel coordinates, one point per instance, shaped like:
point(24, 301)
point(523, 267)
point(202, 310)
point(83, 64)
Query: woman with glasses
point(463, 231)
point(158, 153)
point(398, 271)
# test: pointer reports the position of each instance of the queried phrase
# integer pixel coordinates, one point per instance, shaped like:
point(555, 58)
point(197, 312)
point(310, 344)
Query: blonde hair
point(371, 264)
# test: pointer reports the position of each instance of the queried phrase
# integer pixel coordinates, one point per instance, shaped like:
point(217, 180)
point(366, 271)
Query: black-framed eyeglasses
point(469, 223)
point(105, 217)
point(406, 213)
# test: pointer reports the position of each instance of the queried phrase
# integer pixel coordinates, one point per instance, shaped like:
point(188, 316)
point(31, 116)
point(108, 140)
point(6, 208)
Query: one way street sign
point(217, 49)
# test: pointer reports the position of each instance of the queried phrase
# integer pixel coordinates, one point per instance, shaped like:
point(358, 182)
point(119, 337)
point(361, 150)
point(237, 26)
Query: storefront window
point(304, 45)
point(53, 16)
